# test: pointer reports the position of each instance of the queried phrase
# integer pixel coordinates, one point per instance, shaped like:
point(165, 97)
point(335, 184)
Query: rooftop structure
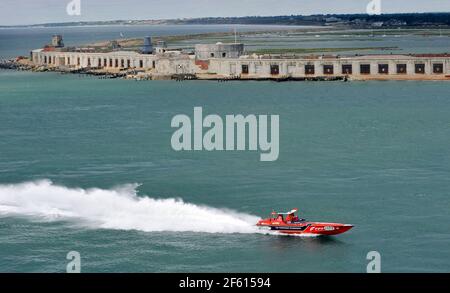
point(114, 45)
point(148, 47)
point(57, 41)
point(161, 47)
point(218, 50)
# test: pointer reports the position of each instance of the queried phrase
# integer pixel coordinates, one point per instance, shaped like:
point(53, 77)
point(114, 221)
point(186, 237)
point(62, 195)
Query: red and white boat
point(289, 223)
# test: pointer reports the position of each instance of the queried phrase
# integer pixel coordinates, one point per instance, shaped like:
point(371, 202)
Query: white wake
point(118, 208)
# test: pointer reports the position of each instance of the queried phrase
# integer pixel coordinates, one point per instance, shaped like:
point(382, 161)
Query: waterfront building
point(217, 61)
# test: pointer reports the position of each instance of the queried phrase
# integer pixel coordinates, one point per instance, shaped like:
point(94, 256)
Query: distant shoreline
point(162, 25)
point(429, 20)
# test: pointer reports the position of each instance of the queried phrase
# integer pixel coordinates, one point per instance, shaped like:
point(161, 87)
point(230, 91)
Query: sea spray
point(118, 208)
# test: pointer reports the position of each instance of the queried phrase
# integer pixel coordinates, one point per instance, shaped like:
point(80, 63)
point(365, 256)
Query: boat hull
point(310, 228)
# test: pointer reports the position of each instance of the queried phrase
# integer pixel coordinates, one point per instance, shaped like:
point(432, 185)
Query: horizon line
point(217, 17)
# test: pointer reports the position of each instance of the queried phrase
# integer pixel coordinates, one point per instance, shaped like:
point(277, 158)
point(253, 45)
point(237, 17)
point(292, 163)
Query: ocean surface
point(86, 165)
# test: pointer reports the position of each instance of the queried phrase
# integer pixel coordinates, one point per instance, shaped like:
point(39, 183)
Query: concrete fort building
point(230, 61)
point(218, 51)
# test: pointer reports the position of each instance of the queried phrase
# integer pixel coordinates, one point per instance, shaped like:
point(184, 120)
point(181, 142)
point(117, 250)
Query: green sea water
point(87, 165)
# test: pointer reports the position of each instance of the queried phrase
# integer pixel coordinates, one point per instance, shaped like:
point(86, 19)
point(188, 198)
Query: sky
point(22, 12)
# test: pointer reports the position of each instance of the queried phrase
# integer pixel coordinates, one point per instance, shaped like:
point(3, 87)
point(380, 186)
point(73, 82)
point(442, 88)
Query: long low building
point(116, 59)
point(435, 66)
point(229, 61)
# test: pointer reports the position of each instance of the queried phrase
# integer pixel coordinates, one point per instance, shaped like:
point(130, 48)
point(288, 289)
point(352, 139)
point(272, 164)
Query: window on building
point(401, 68)
point(347, 69)
point(110, 63)
point(438, 68)
point(309, 69)
point(141, 63)
point(224, 55)
point(78, 61)
point(328, 69)
point(153, 64)
point(116, 63)
point(275, 69)
point(122, 63)
point(244, 69)
point(383, 68)
point(212, 55)
point(364, 68)
point(105, 62)
point(128, 63)
point(420, 68)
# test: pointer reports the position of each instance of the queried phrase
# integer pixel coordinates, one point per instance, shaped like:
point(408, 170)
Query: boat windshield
point(289, 217)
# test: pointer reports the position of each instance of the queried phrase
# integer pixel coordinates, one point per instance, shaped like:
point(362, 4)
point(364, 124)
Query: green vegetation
point(354, 20)
point(404, 20)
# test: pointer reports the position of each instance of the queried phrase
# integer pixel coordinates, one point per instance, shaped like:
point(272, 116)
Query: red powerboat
point(289, 223)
